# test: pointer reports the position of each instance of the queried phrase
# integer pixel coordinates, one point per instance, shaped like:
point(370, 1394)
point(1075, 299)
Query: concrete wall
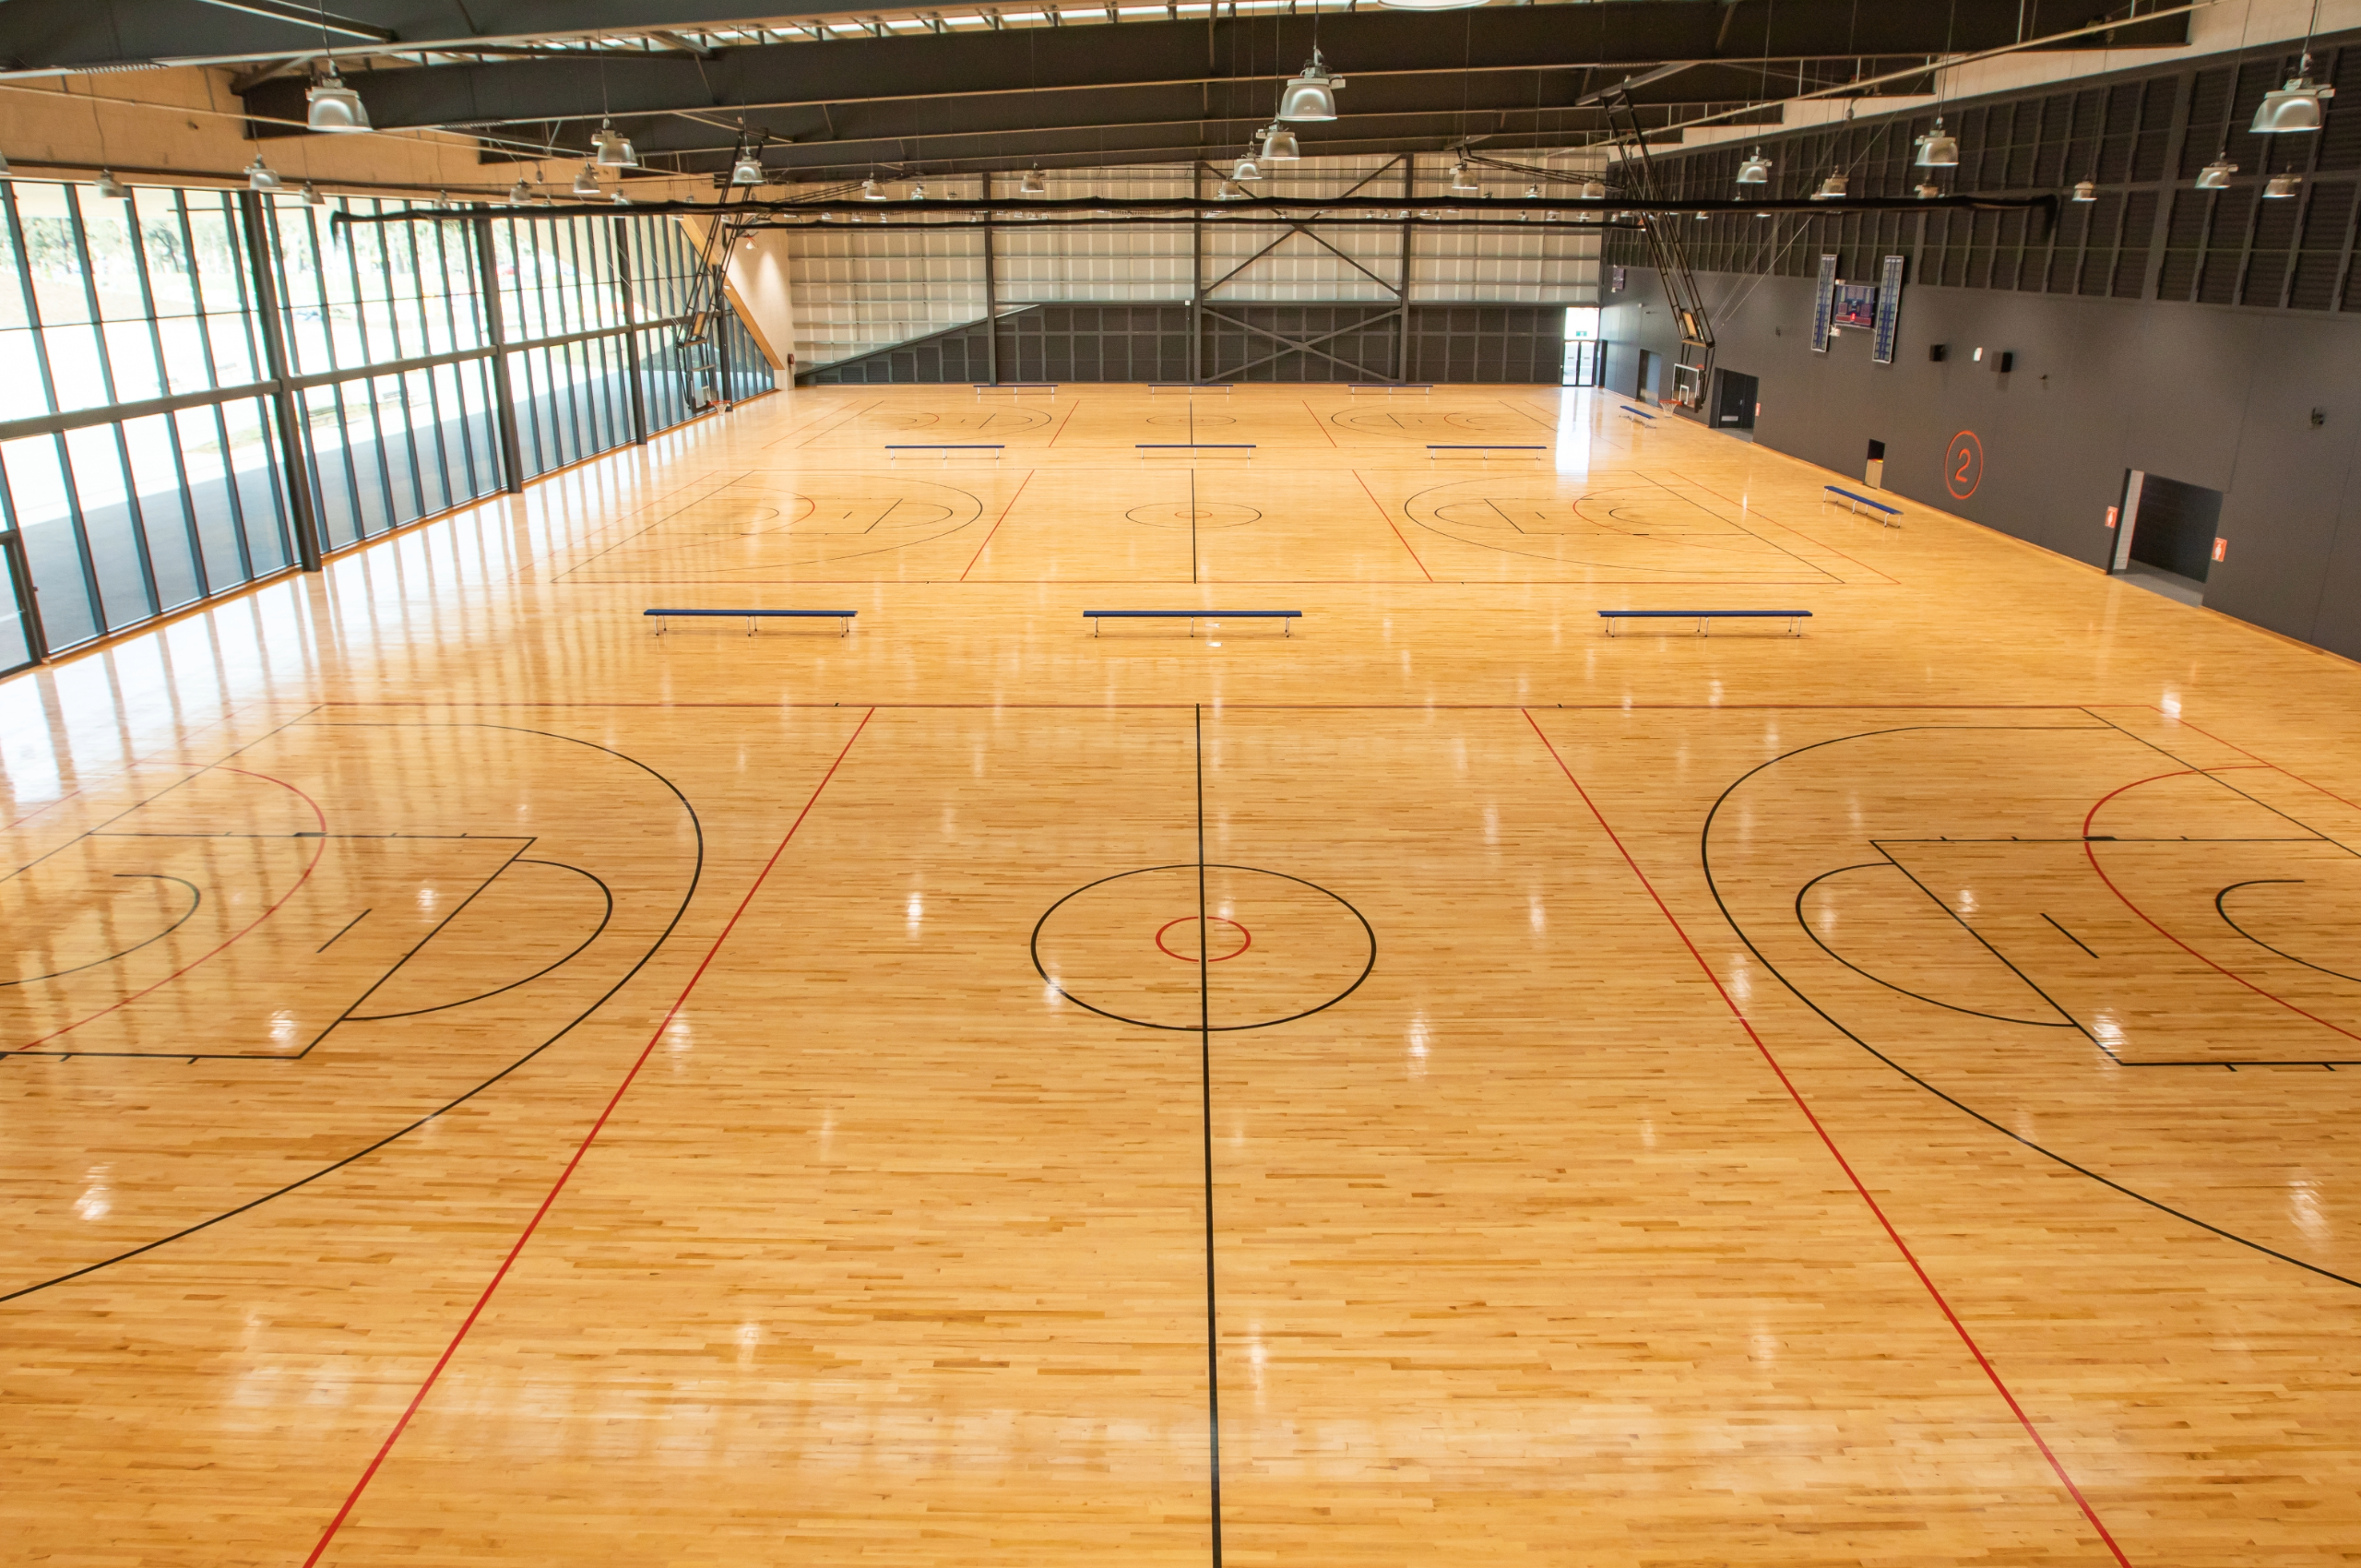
point(2218, 396)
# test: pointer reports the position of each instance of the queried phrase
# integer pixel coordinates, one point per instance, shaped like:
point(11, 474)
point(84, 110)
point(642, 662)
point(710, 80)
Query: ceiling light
point(1928, 193)
point(1533, 193)
point(747, 171)
point(441, 198)
point(109, 187)
point(518, 193)
point(1312, 95)
point(2295, 107)
point(1462, 183)
point(1831, 188)
point(2280, 187)
point(2216, 176)
point(1430, 5)
point(1246, 170)
point(1228, 192)
point(1592, 190)
point(613, 148)
point(1755, 170)
point(1938, 150)
point(586, 183)
point(1033, 184)
point(259, 176)
point(2086, 190)
point(869, 191)
point(335, 107)
point(918, 193)
point(1278, 144)
point(312, 196)
point(621, 199)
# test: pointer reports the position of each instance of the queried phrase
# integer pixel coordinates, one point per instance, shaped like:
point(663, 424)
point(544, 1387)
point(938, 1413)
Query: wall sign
point(1615, 281)
point(1963, 465)
point(1823, 304)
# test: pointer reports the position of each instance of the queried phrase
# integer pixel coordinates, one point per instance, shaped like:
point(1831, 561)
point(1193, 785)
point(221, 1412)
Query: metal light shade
point(1228, 192)
point(2280, 187)
point(747, 171)
point(2216, 176)
point(918, 193)
point(259, 176)
point(1937, 149)
point(109, 187)
point(1278, 145)
point(1592, 190)
point(622, 200)
point(1246, 170)
point(614, 149)
point(869, 191)
point(1460, 182)
point(2295, 107)
point(2086, 190)
point(586, 183)
point(1928, 193)
point(312, 196)
point(335, 107)
point(1755, 170)
point(1312, 95)
point(1830, 189)
point(1033, 184)
point(519, 194)
point(1533, 193)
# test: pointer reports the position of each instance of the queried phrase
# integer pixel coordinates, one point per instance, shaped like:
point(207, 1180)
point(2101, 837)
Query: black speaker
point(1939, 351)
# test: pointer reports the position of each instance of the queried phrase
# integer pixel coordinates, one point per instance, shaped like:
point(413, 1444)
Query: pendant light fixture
point(1278, 145)
point(869, 191)
point(748, 170)
point(1833, 188)
point(2216, 176)
point(1463, 182)
point(614, 150)
point(1755, 170)
point(1592, 190)
point(1533, 193)
point(519, 194)
point(2280, 187)
point(2086, 190)
point(2295, 107)
point(1247, 169)
point(1925, 192)
point(1311, 96)
point(586, 183)
point(1430, 5)
point(1033, 184)
point(109, 189)
point(334, 107)
point(1937, 149)
point(621, 199)
point(259, 176)
point(1228, 192)
point(312, 196)
point(918, 193)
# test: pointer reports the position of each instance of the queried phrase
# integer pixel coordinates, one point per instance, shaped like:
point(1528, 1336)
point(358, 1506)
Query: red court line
point(509, 1262)
point(1061, 423)
point(318, 848)
point(2090, 852)
point(1389, 520)
point(1318, 420)
point(996, 523)
point(2273, 766)
point(1901, 1246)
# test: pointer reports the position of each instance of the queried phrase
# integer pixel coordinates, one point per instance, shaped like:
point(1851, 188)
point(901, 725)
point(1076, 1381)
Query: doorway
point(2165, 535)
point(1642, 384)
point(1734, 401)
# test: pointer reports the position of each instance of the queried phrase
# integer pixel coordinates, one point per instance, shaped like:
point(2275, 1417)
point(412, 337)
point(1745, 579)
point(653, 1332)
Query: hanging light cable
point(332, 106)
point(2296, 106)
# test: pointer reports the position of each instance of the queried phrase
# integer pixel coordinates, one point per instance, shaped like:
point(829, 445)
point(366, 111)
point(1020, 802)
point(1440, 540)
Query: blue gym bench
point(1795, 618)
point(754, 615)
point(1355, 388)
point(1285, 617)
point(1156, 387)
point(1886, 513)
point(893, 453)
point(1145, 447)
point(1485, 448)
point(1639, 414)
point(1015, 388)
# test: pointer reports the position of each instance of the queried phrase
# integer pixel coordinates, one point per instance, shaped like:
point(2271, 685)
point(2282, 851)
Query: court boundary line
point(1004, 511)
point(384, 1450)
point(1206, 1126)
point(1991, 1373)
point(1389, 522)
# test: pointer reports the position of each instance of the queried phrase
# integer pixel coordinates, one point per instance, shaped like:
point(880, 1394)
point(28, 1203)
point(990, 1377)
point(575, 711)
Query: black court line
point(2071, 936)
point(1206, 1095)
point(2278, 812)
point(1887, 864)
point(1741, 527)
point(195, 898)
point(346, 926)
point(1713, 886)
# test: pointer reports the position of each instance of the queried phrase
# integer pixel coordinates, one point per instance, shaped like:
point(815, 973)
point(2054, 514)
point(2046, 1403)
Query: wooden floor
point(490, 1085)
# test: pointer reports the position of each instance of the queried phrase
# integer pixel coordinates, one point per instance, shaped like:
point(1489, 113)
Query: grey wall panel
point(2337, 625)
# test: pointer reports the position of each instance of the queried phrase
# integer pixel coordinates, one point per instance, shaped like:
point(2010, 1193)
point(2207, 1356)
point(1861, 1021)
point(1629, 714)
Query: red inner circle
point(1245, 939)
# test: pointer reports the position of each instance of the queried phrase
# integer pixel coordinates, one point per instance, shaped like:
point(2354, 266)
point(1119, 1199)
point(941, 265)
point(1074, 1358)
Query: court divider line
point(1061, 423)
point(1389, 521)
point(1004, 511)
point(1315, 419)
point(1205, 1123)
point(384, 1450)
point(1747, 507)
point(1859, 1187)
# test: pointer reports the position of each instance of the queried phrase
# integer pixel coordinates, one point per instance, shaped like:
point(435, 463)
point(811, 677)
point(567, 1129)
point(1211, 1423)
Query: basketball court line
point(1061, 423)
point(599, 1125)
point(996, 523)
point(1750, 531)
point(1859, 1187)
point(1388, 515)
point(1748, 508)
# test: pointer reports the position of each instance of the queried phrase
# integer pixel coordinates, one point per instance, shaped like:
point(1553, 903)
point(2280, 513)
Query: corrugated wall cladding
point(2139, 136)
point(857, 293)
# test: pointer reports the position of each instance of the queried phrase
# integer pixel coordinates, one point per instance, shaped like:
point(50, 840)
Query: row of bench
point(1483, 449)
point(1795, 618)
point(1016, 388)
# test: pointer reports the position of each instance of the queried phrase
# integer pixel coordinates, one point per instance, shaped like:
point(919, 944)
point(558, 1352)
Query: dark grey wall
point(2218, 396)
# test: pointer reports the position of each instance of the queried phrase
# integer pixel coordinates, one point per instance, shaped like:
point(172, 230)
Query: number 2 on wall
point(1963, 465)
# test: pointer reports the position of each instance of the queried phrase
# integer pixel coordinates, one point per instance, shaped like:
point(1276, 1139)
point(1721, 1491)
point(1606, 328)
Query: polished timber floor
point(487, 1084)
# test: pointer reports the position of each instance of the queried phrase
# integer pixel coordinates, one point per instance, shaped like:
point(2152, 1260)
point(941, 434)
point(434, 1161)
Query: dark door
point(1642, 384)
point(2174, 532)
point(1734, 408)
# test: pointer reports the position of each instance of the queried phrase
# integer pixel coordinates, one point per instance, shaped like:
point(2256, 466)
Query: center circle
point(1245, 939)
point(1190, 419)
point(1290, 947)
point(1203, 515)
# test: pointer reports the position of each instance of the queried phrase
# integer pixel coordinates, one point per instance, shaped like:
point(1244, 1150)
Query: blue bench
point(1286, 617)
point(1353, 389)
point(1014, 387)
point(1485, 448)
point(946, 448)
point(1795, 618)
point(1145, 447)
point(1640, 413)
point(1886, 513)
point(754, 615)
point(1156, 387)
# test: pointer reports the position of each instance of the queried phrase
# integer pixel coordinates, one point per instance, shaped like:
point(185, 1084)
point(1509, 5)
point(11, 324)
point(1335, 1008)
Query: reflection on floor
point(2172, 585)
